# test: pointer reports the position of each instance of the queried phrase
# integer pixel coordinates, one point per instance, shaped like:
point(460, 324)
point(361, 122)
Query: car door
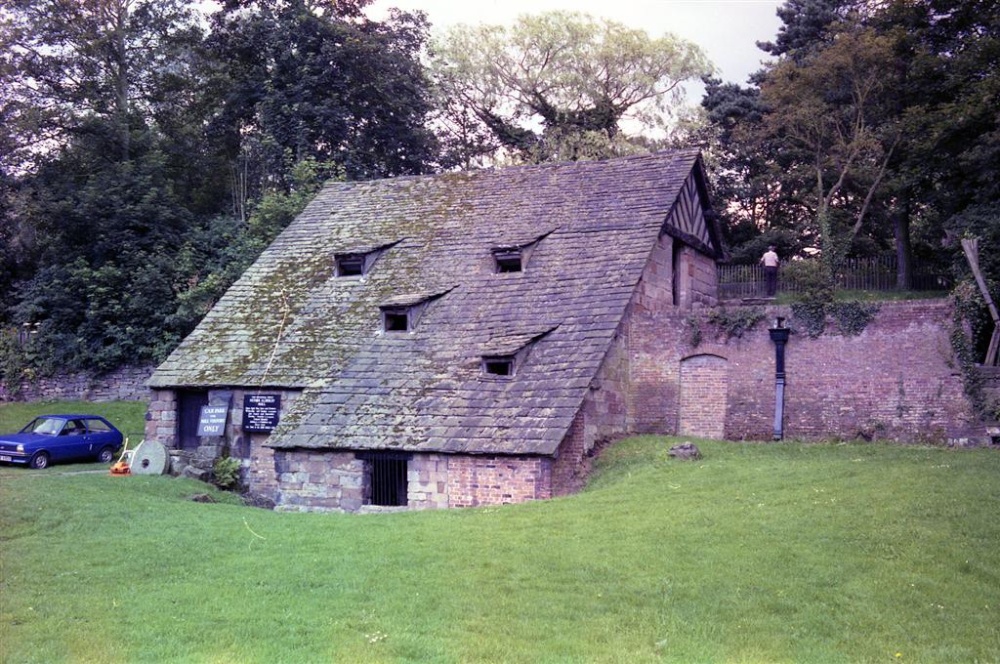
point(99, 436)
point(72, 441)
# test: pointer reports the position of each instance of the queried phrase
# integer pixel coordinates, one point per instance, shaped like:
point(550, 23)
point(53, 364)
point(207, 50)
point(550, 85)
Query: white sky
point(727, 30)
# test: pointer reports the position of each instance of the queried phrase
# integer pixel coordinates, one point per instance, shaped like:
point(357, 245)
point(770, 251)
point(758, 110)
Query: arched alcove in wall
point(704, 390)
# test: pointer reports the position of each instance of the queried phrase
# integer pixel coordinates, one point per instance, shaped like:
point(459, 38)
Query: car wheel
point(40, 460)
point(106, 455)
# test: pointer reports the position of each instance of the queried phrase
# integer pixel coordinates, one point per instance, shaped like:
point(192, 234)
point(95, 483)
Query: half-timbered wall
point(687, 218)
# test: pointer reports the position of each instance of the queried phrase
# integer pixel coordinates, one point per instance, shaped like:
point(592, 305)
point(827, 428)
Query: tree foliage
point(145, 163)
point(557, 86)
point(831, 113)
point(298, 80)
point(875, 124)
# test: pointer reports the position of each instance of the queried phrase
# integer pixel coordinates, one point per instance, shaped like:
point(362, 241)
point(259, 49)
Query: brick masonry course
point(896, 380)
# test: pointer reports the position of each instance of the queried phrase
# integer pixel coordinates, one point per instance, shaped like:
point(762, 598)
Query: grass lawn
point(779, 552)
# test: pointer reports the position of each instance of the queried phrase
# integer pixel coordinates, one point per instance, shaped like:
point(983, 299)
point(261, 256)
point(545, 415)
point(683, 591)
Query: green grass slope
point(758, 553)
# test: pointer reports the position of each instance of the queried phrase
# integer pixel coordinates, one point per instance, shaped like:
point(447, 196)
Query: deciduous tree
point(559, 85)
point(832, 113)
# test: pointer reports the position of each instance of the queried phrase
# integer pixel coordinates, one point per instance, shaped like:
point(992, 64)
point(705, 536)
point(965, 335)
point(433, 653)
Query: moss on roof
point(291, 322)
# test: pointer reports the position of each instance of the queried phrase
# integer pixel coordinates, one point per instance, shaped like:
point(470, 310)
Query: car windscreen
point(47, 426)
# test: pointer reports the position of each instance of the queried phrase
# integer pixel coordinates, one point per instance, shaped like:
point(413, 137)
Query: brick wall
point(896, 380)
point(497, 480)
point(704, 386)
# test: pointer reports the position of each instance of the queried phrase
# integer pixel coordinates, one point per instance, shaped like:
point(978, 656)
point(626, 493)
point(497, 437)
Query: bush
point(226, 472)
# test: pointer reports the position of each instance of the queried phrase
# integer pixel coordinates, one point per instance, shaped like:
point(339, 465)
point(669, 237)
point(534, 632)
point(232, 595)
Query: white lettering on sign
point(212, 421)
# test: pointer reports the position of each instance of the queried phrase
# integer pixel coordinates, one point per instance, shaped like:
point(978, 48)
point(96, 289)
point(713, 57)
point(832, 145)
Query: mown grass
point(778, 552)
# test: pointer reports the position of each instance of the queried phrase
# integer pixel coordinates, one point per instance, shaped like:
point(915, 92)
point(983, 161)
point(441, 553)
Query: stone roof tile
point(291, 322)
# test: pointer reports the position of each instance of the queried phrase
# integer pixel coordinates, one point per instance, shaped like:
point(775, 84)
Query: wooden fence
point(876, 273)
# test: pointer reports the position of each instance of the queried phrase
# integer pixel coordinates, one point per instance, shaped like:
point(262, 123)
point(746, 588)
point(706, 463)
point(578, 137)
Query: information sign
point(212, 421)
point(260, 412)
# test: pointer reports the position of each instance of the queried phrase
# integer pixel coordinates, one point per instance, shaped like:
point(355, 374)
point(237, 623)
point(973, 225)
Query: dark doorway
point(675, 271)
point(189, 405)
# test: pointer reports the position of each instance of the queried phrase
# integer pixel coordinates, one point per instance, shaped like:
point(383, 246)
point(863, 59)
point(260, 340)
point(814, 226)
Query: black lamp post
point(779, 335)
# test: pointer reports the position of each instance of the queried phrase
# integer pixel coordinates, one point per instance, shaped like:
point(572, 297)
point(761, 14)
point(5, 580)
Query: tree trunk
point(904, 254)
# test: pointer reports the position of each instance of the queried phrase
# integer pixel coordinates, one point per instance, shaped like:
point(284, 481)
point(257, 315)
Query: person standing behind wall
point(770, 261)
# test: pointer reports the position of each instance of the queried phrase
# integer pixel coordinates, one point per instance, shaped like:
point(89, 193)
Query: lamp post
point(779, 335)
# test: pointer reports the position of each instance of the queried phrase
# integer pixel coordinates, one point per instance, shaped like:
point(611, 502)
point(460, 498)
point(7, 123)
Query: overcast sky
point(726, 29)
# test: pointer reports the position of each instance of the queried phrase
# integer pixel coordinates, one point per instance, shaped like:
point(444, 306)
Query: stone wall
point(258, 461)
point(318, 480)
point(655, 291)
point(161, 417)
point(703, 278)
point(989, 378)
point(898, 379)
point(328, 480)
point(126, 384)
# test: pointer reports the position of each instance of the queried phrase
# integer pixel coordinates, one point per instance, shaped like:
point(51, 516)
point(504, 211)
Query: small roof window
point(498, 365)
point(402, 313)
point(506, 353)
point(508, 260)
point(349, 265)
point(359, 263)
point(396, 319)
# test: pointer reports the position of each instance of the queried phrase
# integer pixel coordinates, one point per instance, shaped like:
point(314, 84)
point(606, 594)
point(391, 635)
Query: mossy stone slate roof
point(290, 322)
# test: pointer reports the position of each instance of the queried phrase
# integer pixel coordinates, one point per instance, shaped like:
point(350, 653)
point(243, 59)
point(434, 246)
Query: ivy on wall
point(970, 317)
point(730, 323)
point(852, 317)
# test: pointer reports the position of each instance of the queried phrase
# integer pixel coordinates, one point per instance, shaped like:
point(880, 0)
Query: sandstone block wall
point(327, 480)
point(318, 480)
point(125, 384)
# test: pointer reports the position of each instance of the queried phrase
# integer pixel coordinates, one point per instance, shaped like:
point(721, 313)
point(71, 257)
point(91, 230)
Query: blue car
point(51, 438)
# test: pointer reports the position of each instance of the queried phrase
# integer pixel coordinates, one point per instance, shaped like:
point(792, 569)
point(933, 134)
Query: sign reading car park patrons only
point(260, 412)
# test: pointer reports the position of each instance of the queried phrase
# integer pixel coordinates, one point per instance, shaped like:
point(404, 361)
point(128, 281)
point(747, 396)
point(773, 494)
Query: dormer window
point(350, 265)
point(498, 365)
point(360, 262)
point(396, 319)
point(508, 260)
point(506, 353)
point(402, 313)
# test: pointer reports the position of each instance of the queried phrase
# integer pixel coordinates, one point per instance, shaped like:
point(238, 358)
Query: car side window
point(73, 428)
point(97, 426)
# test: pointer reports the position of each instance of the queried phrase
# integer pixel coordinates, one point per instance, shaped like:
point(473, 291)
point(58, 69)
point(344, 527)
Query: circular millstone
point(150, 458)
